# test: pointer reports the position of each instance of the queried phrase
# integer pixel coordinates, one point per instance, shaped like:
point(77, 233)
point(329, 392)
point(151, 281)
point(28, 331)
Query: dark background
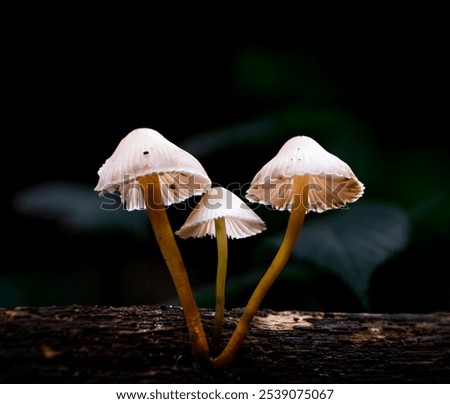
point(372, 92)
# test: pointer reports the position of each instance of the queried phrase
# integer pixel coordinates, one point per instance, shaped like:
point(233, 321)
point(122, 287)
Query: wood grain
point(148, 344)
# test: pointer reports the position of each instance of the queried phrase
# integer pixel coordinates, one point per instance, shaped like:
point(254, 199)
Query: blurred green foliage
point(383, 254)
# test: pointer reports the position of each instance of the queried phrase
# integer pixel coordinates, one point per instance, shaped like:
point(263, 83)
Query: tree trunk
point(147, 344)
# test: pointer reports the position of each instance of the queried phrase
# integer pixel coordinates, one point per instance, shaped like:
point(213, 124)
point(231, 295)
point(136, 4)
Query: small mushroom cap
point(331, 182)
point(143, 152)
point(240, 220)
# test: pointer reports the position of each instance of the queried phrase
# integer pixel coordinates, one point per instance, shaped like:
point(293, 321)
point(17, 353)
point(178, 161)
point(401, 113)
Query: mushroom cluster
point(152, 173)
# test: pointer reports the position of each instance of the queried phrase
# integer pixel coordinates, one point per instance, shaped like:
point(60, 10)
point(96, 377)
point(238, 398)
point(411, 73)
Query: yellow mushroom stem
point(222, 258)
point(296, 218)
point(157, 215)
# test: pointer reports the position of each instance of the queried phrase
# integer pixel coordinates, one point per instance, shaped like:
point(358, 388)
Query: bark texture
point(147, 344)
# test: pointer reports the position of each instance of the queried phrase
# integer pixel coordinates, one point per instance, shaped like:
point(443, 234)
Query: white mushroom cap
point(332, 184)
point(143, 152)
point(240, 220)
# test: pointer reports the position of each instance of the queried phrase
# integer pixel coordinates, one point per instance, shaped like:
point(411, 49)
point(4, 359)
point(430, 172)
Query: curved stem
point(296, 218)
point(157, 215)
point(222, 258)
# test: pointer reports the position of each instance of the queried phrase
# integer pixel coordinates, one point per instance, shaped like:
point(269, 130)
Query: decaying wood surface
point(147, 344)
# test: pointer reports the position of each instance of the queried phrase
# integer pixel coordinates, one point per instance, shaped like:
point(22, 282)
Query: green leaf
point(353, 242)
point(282, 123)
point(79, 208)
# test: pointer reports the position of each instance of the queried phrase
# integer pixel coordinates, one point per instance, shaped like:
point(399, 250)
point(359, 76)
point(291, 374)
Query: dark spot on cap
point(145, 153)
point(172, 186)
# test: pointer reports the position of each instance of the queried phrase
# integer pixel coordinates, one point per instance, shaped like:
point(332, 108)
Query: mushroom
point(221, 214)
point(151, 173)
point(302, 177)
